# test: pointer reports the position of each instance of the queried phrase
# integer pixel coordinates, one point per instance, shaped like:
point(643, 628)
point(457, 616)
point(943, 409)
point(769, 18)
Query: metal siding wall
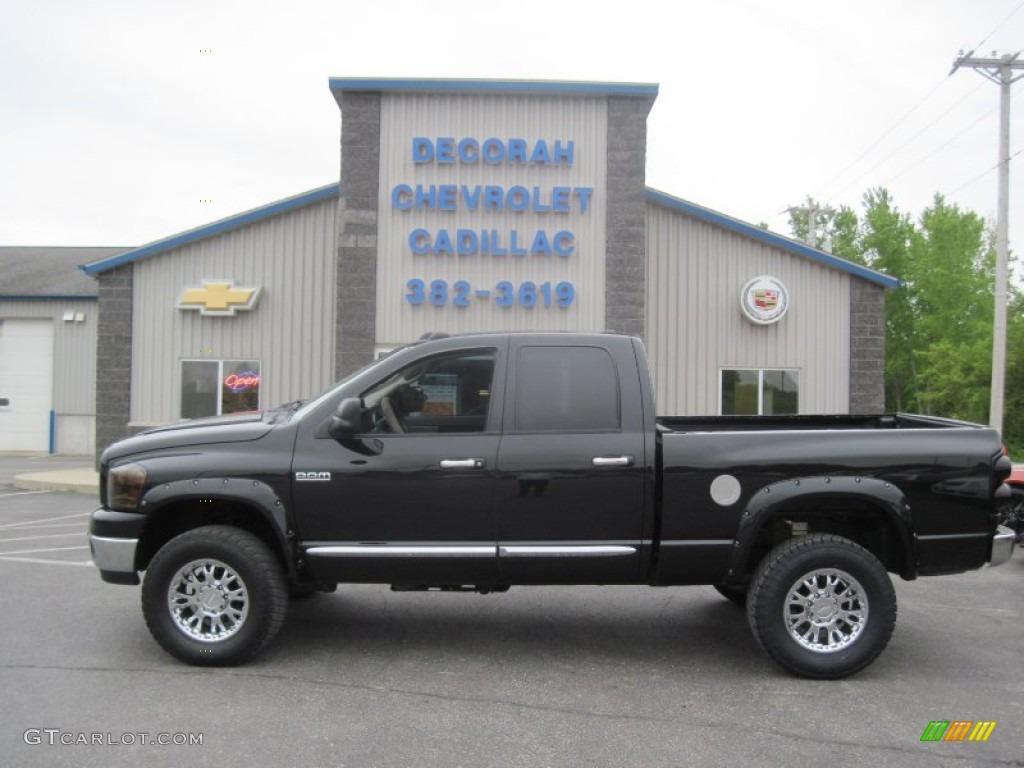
point(290, 330)
point(695, 326)
point(74, 362)
point(582, 120)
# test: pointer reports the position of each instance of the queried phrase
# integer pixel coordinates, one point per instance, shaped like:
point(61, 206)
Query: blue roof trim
point(49, 296)
point(492, 86)
point(770, 238)
point(216, 228)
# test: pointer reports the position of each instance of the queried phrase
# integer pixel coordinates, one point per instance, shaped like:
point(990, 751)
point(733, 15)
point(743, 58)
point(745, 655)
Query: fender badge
point(313, 476)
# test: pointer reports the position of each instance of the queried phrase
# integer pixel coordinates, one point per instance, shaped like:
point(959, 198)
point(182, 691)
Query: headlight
point(124, 486)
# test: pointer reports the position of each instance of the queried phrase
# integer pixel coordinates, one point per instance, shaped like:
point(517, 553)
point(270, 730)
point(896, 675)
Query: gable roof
point(49, 272)
point(119, 257)
point(216, 228)
point(770, 238)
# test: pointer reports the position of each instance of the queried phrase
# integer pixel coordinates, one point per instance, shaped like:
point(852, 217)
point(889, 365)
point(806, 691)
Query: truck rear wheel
point(214, 596)
point(821, 606)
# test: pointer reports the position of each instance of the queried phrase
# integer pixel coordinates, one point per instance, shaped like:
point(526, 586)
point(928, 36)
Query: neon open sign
point(242, 382)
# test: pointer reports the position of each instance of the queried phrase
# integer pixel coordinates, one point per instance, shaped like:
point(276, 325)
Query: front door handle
point(462, 463)
point(613, 461)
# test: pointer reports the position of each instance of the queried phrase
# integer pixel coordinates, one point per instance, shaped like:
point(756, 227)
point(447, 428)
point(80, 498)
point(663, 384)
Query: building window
point(764, 392)
point(215, 387)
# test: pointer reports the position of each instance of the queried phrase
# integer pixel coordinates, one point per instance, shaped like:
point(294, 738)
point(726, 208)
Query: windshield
point(316, 401)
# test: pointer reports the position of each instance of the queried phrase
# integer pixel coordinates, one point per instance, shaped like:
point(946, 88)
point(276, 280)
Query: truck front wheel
point(214, 596)
point(821, 606)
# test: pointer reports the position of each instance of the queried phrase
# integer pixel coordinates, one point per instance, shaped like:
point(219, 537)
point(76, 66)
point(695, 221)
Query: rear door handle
point(613, 461)
point(462, 463)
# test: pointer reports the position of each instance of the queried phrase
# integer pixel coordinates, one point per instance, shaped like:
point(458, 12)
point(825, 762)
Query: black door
point(411, 501)
point(570, 488)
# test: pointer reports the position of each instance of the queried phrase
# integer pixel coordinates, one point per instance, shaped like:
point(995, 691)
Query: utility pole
point(811, 210)
point(999, 69)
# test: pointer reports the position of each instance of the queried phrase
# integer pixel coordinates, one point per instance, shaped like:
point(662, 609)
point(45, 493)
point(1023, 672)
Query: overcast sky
point(125, 122)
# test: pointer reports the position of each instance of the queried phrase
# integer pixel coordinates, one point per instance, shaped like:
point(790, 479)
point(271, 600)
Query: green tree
point(952, 267)
point(1013, 415)
point(938, 344)
point(884, 241)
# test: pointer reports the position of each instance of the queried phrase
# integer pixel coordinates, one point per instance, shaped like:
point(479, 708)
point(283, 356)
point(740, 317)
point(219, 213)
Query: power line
point(984, 173)
point(999, 25)
point(917, 135)
point(941, 147)
point(885, 135)
point(911, 111)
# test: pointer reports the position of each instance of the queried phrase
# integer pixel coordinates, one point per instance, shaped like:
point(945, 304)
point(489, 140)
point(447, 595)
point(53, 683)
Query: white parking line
point(22, 493)
point(34, 551)
point(41, 560)
point(47, 536)
point(44, 520)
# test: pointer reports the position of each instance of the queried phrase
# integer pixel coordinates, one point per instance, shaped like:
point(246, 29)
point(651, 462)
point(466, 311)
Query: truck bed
point(806, 422)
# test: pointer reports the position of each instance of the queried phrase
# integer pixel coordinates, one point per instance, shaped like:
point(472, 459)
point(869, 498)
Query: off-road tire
point(214, 596)
point(821, 606)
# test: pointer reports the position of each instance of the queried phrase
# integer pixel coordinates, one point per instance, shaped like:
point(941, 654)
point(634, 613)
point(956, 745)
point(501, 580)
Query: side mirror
point(346, 422)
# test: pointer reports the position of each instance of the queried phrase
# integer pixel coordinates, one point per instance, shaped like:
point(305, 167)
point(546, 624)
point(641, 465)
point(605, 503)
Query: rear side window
point(566, 389)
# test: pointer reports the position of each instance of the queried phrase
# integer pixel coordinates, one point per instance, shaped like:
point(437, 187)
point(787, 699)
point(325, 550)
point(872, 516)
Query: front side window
point(446, 393)
point(760, 392)
point(215, 387)
point(566, 389)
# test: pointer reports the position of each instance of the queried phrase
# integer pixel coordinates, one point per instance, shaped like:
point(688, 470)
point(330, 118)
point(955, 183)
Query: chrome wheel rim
point(825, 610)
point(208, 600)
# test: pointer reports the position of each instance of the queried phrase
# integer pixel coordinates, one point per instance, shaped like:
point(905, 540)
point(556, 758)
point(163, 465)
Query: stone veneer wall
point(626, 225)
point(356, 293)
point(867, 347)
point(114, 353)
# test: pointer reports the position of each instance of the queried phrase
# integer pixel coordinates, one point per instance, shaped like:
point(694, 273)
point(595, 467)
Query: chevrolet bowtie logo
point(219, 297)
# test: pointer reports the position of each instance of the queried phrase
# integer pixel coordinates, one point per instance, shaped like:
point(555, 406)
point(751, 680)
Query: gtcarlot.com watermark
point(56, 736)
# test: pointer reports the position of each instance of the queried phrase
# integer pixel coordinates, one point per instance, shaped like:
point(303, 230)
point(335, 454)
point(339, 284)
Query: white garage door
point(26, 384)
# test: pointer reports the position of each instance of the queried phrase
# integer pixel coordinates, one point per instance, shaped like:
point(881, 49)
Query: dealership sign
point(764, 300)
point(219, 298)
point(555, 243)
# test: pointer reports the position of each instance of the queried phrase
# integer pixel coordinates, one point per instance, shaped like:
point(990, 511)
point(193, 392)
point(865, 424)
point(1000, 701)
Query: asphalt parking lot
point(536, 677)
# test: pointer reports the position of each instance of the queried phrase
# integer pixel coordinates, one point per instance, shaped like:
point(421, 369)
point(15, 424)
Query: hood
point(246, 417)
point(237, 428)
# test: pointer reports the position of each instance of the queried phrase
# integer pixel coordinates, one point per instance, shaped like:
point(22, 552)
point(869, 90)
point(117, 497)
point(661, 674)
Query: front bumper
point(113, 541)
point(1002, 545)
point(115, 558)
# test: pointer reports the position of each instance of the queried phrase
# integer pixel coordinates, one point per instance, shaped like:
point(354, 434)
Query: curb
point(83, 481)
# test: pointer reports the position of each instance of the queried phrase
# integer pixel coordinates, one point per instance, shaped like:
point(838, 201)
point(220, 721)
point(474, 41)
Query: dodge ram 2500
point(479, 462)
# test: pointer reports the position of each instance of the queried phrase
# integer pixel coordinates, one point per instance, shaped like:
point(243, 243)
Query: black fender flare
point(774, 501)
point(252, 493)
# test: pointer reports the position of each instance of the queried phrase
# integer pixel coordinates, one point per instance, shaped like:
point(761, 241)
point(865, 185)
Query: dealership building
point(468, 205)
point(48, 322)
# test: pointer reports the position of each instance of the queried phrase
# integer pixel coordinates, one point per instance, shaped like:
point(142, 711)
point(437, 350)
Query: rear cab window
point(566, 389)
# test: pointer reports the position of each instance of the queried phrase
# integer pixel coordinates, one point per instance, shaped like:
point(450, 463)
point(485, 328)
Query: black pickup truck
point(482, 461)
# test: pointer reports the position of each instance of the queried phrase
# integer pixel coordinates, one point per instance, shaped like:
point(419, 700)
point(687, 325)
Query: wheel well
point(859, 521)
point(180, 516)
